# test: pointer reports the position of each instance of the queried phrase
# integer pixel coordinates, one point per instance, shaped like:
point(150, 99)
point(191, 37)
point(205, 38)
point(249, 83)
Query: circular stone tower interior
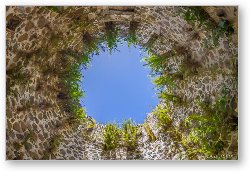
point(193, 51)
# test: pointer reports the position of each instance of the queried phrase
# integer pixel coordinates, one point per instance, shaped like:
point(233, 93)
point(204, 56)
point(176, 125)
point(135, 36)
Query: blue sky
point(117, 86)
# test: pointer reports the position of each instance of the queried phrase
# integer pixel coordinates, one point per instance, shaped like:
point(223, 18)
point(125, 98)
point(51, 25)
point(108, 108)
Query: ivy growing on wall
point(198, 17)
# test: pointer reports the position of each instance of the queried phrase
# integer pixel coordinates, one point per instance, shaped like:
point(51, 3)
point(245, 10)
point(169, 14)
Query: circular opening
point(117, 86)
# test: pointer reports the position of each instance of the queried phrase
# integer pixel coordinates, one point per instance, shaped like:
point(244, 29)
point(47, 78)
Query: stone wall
point(36, 37)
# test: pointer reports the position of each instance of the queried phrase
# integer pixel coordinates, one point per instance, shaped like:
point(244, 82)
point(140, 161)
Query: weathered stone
point(34, 155)
point(23, 37)
point(206, 80)
point(23, 126)
point(34, 36)
point(29, 26)
point(40, 136)
point(20, 136)
point(28, 146)
point(28, 10)
point(62, 152)
point(40, 116)
point(16, 126)
point(34, 125)
point(41, 22)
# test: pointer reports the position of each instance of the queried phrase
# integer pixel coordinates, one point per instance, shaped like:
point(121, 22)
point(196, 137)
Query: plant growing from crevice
point(91, 124)
point(150, 133)
point(163, 117)
point(156, 63)
point(129, 134)
point(111, 134)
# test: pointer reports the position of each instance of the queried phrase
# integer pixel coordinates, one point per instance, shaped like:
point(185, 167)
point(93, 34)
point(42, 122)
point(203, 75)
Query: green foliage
point(85, 60)
point(195, 14)
point(79, 113)
point(164, 81)
point(226, 27)
point(111, 134)
point(171, 98)
point(91, 124)
point(72, 78)
point(112, 38)
point(149, 132)
point(55, 143)
point(164, 120)
point(198, 16)
point(111, 35)
point(130, 137)
point(208, 133)
point(202, 134)
point(158, 63)
point(132, 38)
point(223, 27)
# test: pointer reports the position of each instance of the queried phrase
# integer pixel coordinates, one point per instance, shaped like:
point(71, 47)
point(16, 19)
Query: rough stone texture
point(34, 114)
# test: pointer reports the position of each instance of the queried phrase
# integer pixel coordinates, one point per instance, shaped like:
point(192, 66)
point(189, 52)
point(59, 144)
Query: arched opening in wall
point(117, 85)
